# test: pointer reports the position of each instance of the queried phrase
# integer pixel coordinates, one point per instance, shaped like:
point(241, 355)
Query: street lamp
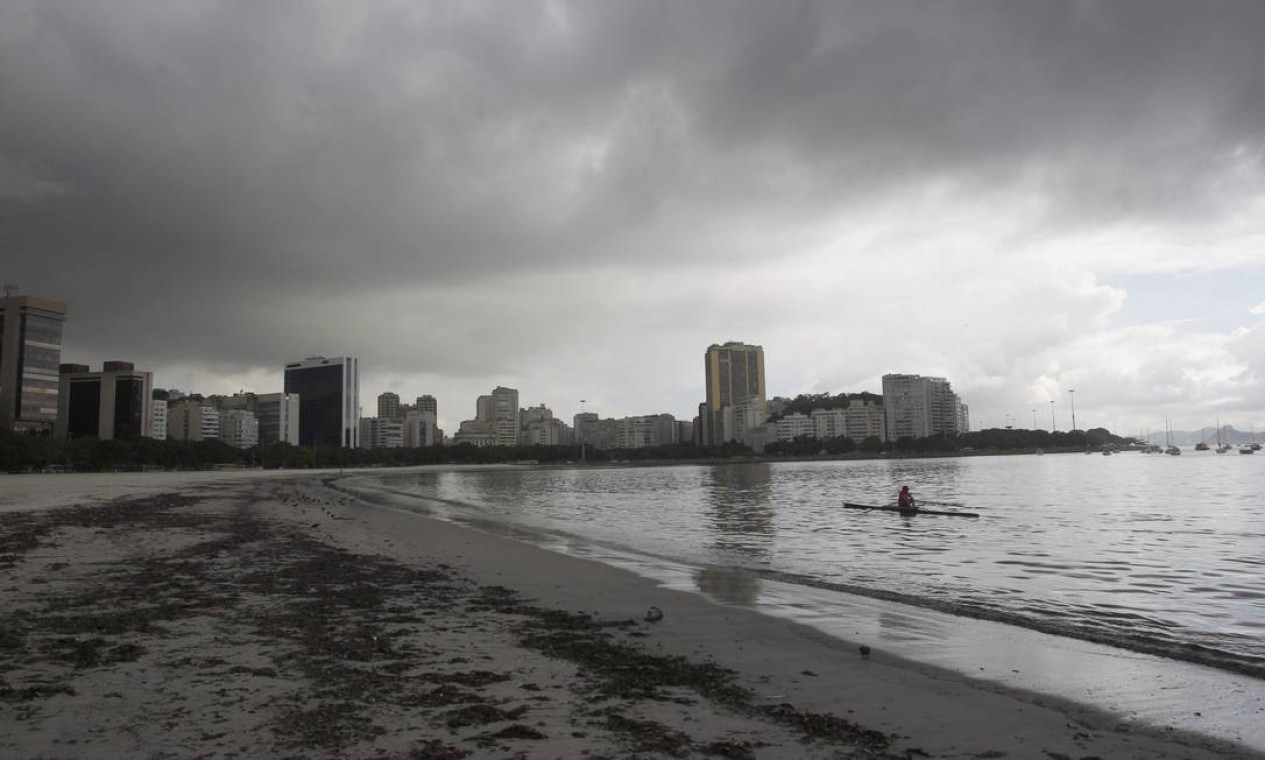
point(1052, 415)
point(1071, 394)
point(1034, 418)
point(583, 420)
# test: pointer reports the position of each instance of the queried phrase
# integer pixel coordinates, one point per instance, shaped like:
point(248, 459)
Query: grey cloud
point(207, 156)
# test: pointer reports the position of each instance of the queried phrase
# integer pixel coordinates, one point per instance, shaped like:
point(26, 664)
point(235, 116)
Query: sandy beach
point(236, 615)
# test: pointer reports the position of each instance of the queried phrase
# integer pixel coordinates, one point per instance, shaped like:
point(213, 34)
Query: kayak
point(908, 512)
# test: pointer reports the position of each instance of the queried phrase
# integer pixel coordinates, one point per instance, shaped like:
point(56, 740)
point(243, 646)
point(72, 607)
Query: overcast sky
point(576, 199)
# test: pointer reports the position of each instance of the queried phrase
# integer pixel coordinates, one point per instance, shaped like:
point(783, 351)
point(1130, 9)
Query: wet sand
point(238, 617)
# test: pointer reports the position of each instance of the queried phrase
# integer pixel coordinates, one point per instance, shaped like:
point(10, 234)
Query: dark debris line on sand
point(308, 650)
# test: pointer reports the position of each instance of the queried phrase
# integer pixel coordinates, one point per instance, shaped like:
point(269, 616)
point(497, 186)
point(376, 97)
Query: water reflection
point(732, 585)
point(739, 510)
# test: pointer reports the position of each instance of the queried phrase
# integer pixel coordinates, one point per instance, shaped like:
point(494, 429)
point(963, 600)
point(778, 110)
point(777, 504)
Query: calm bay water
point(1160, 554)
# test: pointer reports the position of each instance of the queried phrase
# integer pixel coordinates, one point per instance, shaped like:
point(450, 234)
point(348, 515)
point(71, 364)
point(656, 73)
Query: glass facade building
point(30, 352)
point(116, 402)
point(329, 398)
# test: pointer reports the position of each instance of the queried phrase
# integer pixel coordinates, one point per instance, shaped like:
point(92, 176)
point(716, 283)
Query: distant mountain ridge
point(1208, 435)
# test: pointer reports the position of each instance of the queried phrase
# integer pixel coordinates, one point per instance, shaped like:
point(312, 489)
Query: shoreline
point(243, 633)
point(1043, 664)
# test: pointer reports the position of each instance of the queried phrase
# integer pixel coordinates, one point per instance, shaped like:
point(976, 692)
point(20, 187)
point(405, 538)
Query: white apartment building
point(918, 406)
point(794, 426)
point(505, 416)
point(158, 427)
point(381, 433)
point(645, 431)
point(746, 414)
point(860, 420)
point(239, 428)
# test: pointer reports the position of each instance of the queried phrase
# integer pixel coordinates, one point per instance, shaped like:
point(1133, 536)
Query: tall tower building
point(918, 407)
point(428, 403)
point(389, 406)
point(505, 420)
point(329, 398)
point(30, 352)
point(735, 378)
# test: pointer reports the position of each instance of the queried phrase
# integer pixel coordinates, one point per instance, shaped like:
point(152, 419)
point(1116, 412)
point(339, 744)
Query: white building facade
point(239, 428)
point(158, 428)
point(917, 407)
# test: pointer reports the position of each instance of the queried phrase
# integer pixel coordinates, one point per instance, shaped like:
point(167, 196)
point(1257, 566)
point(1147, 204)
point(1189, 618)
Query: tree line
point(33, 453)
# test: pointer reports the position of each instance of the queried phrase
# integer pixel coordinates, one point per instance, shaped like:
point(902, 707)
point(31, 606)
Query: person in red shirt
point(905, 499)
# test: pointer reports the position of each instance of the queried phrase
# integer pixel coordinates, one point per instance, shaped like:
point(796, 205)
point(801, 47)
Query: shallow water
point(1159, 554)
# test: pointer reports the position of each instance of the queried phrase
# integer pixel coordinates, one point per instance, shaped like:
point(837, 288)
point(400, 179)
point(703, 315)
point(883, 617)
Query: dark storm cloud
point(213, 158)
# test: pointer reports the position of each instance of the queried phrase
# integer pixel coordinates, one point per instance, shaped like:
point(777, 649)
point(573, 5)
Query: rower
point(905, 499)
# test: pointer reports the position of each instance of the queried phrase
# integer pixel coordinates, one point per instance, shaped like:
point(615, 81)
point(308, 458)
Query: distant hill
point(1208, 435)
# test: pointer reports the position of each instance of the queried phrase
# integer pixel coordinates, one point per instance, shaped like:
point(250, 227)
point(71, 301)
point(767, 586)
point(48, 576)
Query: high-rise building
point(158, 428)
point(116, 402)
point(496, 420)
point(428, 403)
point(329, 392)
point(505, 420)
point(30, 353)
point(389, 406)
point(919, 406)
point(735, 377)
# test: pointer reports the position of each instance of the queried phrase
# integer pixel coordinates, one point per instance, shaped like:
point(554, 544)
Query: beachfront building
point(645, 431)
point(541, 428)
point(389, 406)
point(277, 414)
point(30, 355)
point(192, 420)
point(798, 425)
point(158, 425)
point(917, 406)
point(239, 428)
point(739, 420)
point(504, 415)
point(496, 413)
point(858, 421)
point(735, 392)
point(475, 433)
point(381, 433)
point(116, 402)
point(330, 391)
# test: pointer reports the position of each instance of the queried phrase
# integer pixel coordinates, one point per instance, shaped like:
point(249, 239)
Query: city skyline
point(571, 199)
